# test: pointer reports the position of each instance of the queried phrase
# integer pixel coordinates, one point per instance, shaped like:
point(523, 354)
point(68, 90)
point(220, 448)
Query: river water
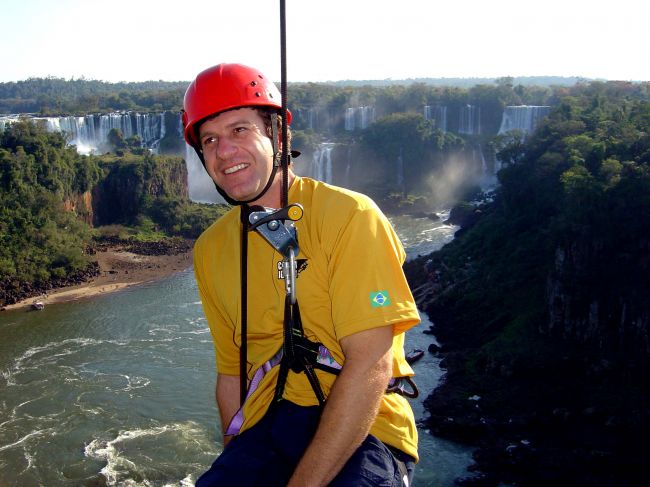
point(118, 390)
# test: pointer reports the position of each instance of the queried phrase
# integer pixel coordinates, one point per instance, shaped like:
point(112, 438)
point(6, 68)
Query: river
point(118, 390)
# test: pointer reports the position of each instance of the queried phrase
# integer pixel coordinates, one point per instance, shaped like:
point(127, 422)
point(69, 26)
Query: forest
point(55, 202)
point(541, 303)
point(57, 97)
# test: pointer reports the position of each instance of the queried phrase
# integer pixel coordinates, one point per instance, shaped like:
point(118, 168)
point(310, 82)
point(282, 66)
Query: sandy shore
point(119, 269)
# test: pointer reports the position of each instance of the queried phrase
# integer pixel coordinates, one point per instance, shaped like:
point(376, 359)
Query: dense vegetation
point(57, 96)
point(38, 239)
point(50, 196)
point(543, 306)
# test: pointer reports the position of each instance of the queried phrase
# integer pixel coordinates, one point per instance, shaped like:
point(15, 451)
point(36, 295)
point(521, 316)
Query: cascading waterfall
point(484, 168)
point(308, 116)
point(322, 163)
point(470, 120)
point(90, 133)
point(359, 117)
point(367, 116)
point(438, 114)
point(349, 119)
point(199, 184)
point(524, 118)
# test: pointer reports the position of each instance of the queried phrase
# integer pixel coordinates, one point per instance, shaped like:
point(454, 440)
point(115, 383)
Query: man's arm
point(351, 407)
point(227, 392)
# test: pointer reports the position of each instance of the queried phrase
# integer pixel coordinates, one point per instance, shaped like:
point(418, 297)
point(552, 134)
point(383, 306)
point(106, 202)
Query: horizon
point(430, 80)
point(355, 41)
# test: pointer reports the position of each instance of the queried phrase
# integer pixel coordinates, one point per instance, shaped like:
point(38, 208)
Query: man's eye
point(209, 140)
point(239, 130)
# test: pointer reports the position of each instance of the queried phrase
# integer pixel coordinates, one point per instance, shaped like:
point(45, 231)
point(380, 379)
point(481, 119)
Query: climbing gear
point(297, 352)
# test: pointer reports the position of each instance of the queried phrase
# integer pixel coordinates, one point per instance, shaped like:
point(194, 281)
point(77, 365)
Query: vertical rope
point(243, 349)
point(283, 92)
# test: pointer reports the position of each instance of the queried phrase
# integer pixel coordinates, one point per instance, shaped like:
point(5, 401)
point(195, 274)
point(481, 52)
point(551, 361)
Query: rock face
point(599, 299)
point(82, 206)
point(129, 186)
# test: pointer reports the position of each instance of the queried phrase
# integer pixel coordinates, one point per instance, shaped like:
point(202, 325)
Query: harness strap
point(238, 419)
point(399, 386)
point(243, 349)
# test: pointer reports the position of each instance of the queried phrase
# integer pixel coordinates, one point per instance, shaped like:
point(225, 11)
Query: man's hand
point(351, 407)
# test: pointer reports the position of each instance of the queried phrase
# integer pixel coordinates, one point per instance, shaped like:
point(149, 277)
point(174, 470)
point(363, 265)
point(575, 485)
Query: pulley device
point(282, 236)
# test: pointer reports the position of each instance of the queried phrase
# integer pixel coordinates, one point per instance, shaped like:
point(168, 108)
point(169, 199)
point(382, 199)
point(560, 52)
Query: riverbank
point(120, 265)
point(538, 410)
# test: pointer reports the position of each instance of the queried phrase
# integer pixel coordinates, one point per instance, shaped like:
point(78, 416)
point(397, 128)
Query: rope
point(243, 349)
point(283, 92)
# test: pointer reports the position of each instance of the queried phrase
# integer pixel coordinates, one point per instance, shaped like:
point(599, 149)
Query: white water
point(118, 390)
point(524, 118)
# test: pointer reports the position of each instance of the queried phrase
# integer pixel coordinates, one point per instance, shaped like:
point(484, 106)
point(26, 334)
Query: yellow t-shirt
point(350, 261)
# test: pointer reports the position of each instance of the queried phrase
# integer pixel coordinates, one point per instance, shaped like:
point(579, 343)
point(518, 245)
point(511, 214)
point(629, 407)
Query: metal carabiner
point(290, 269)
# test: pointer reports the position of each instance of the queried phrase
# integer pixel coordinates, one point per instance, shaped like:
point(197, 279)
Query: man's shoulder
point(227, 223)
point(327, 197)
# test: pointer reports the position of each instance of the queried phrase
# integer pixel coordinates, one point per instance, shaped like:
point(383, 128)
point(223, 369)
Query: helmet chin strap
point(277, 155)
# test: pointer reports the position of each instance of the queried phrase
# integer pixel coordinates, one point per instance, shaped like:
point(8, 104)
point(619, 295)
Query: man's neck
point(273, 197)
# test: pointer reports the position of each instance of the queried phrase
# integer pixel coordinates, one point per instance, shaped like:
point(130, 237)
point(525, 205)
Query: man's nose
point(226, 148)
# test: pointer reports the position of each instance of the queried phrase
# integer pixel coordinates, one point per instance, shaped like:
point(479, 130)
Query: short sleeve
point(368, 287)
point(221, 329)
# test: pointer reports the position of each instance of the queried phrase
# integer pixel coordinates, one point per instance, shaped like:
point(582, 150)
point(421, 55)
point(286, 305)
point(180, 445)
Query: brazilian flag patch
point(379, 299)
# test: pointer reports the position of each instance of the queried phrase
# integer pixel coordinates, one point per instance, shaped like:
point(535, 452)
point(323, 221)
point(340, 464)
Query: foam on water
point(126, 461)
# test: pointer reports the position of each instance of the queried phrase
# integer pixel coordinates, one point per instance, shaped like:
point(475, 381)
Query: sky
point(327, 40)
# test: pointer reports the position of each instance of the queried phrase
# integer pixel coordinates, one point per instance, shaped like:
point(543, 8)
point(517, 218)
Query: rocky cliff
point(130, 185)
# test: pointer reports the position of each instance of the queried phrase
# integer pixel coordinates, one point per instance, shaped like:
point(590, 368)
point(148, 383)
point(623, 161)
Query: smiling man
point(309, 392)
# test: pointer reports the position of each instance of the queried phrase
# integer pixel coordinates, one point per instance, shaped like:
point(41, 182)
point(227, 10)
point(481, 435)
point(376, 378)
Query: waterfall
point(90, 133)
point(199, 184)
point(308, 117)
point(438, 114)
point(322, 163)
point(359, 117)
point(470, 120)
point(484, 168)
point(524, 118)
point(349, 119)
point(366, 116)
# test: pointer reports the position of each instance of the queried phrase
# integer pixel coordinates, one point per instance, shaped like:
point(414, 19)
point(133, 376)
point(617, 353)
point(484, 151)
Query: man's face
point(238, 153)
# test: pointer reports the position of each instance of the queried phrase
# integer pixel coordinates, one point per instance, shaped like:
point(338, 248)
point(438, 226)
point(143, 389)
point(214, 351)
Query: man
point(353, 307)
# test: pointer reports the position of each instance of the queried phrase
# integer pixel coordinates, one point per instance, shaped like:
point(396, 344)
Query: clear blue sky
point(137, 40)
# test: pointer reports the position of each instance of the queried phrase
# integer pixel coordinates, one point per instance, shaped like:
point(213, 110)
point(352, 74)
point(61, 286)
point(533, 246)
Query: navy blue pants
point(267, 454)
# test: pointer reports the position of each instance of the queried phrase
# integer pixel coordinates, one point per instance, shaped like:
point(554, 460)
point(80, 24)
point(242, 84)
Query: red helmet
point(224, 87)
